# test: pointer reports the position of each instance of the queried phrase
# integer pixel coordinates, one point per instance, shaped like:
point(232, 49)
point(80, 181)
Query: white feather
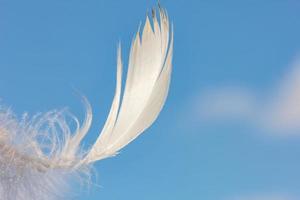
point(37, 155)
point(145, 91)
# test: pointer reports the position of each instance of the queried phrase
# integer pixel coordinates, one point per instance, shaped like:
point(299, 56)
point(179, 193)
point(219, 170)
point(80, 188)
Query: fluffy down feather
point(38, 155)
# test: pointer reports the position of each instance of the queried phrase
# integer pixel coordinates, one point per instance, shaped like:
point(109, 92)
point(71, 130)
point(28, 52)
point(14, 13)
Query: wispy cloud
point(278, 112)
point(227, 103)
point(283, 112)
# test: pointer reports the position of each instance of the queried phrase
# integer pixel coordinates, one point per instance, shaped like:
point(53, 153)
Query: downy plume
point(38, 155)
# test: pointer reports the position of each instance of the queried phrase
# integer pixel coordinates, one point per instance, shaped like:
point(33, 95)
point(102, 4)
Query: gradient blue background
point(50, 49)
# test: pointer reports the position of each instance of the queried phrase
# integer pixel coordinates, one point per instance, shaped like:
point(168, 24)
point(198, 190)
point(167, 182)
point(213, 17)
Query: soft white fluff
point(39, 154)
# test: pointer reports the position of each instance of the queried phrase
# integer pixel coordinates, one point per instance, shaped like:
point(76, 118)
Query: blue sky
point(231, 50)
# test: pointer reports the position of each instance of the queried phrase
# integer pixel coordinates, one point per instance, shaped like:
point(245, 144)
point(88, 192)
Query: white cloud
point(229, 103)
point(278, 113)
point(283, 112)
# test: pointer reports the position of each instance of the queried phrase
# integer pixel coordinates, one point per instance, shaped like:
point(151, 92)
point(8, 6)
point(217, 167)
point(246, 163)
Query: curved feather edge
point(146, 88)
